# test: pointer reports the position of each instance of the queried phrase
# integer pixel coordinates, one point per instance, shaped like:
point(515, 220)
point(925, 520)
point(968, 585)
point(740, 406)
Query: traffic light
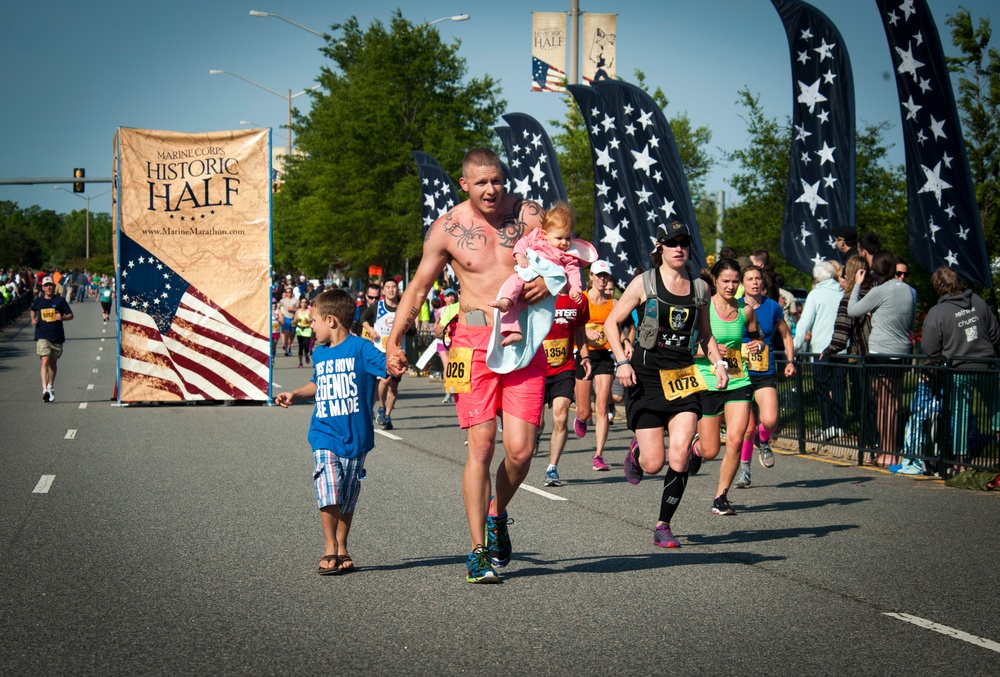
point(79, 173)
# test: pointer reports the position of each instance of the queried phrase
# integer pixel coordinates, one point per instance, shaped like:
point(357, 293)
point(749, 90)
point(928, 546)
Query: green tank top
point(729, 336)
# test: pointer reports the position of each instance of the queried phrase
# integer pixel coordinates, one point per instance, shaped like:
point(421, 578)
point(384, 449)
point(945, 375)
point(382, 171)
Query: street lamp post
point(457, 17)
point(87, 198)
point(288, 97)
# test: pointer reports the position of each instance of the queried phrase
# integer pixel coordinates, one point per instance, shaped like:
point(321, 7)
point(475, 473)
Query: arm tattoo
point(470, 238)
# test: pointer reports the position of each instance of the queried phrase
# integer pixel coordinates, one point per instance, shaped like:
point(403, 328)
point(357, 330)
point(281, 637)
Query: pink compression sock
point(763, 433)
point(747, 452)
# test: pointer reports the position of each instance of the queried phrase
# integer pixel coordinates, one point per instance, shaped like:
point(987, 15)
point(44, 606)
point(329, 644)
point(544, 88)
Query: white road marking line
point(945, 630)
point(95, 371)
point(70, 434)
point(101, 348)
point(103, 340)
point(90, 386)
point(277, 385)
point(83, 405)
point(98, 357)
point(43, 484)
point(551, 497)
point(389, 435)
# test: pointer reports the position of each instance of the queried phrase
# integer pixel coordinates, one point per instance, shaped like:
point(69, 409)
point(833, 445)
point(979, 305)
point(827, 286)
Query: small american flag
point(176, 339)
point(546, 77)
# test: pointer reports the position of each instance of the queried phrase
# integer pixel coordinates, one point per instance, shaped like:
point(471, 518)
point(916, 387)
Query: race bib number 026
point(458, 375)
point(678, 383)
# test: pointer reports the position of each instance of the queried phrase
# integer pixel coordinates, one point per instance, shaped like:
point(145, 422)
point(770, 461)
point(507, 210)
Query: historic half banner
point(193, 265)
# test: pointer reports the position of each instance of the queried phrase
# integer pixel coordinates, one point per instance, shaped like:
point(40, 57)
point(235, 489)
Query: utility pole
point(574, 43)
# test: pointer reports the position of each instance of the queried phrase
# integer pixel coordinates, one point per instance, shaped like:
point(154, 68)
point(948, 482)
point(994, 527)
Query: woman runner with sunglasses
point(663, 387)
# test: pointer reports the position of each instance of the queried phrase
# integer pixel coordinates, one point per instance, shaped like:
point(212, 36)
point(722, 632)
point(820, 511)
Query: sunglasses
point(902, 274)
point(372, 298)
point(682, 242)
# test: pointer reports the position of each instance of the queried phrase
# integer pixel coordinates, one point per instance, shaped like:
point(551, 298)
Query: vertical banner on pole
point(548, 51)
point(598, 46)
point(193, 261)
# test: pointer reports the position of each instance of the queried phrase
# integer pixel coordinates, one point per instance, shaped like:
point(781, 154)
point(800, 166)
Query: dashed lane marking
point(551, 497)
point(44, 483)
point(389, 435)
point(70, 434)
point(945, 630)
point(83, 405)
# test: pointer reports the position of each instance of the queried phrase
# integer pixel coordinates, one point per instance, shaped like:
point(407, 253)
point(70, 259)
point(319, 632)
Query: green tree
point(978, 99)
point(352, 193)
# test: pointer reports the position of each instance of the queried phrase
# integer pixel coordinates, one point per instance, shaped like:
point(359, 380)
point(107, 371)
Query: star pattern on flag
point(534, 170)
point(942, 211)
point(436, 188)
point(821, 162)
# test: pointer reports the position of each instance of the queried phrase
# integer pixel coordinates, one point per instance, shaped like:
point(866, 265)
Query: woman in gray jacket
point(893, 310)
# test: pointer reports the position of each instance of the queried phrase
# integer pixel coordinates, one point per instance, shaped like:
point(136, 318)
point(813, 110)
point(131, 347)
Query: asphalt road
point(184, 540)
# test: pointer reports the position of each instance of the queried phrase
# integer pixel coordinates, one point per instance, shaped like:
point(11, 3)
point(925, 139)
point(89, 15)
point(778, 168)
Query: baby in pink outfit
point(553, 242)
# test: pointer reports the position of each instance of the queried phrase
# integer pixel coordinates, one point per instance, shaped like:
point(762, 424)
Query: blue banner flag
point(531, 160)
point(436, 189)
point(821, 161)
point(620, 238)
point(945, 229)
point(660, 191)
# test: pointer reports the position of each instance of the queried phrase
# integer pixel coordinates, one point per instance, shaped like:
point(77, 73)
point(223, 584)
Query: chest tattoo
point(469, 237)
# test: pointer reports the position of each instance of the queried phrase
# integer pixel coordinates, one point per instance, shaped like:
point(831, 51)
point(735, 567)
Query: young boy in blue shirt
point(345, 372)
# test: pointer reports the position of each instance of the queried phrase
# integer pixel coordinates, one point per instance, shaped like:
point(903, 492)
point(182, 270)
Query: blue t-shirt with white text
point(345, 376)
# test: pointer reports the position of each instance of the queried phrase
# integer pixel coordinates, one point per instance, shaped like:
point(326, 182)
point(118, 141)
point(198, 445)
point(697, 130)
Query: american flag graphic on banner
point(177, 340)
point(821, 161)
point(436, 189)
point(620, 235)
point(660, 191)
point(545, 77)
point(945, 229)
point(531, 160)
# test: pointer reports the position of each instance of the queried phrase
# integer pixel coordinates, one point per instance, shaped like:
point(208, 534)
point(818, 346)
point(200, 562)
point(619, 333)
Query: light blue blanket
point(536, 320)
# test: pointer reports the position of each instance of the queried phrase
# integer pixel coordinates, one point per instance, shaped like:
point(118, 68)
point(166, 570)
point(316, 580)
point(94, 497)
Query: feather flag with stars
point(621, 237)
point(531, 159)
point(436, 189)
point(660, 193)
point(821, 162)
point(945, 229)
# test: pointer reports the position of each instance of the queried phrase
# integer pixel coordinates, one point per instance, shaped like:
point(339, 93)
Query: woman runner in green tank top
point(728, 318)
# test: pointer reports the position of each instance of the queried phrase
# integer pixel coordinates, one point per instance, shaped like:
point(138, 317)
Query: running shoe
point(387, 423)
point(633, 471)
point(743, 477)
point(663, 537)
point(52, 394)
point(611, 413)
point(497, 539)
point(552, 478)
point(579, 427)
point(380, 416)
point(765, 454)
point(478, 568)
point(46, 396)
point(447, 399)
point(694, 463)
point(721, 506)
point(600, 465)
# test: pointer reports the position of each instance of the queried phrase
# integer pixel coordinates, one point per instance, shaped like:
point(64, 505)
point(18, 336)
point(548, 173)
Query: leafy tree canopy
point(352, 193)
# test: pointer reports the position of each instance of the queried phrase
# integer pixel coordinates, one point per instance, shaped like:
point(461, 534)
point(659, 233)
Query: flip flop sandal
point(332, 570)
point(346, 565)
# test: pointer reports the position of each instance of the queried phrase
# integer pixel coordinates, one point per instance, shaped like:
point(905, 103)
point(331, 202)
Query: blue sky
point(72, 72)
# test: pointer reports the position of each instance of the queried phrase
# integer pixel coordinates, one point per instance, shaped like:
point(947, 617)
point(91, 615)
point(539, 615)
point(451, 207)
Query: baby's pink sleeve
point(572, 268)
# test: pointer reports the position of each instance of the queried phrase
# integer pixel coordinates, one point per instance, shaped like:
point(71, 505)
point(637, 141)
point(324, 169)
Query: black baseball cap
point(669, 232)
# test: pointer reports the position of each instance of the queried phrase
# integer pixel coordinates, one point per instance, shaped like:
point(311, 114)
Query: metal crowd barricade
point(910, 411)
point(9, 312)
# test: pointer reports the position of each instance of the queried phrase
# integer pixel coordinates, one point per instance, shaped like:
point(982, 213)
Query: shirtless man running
point(477, 238)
